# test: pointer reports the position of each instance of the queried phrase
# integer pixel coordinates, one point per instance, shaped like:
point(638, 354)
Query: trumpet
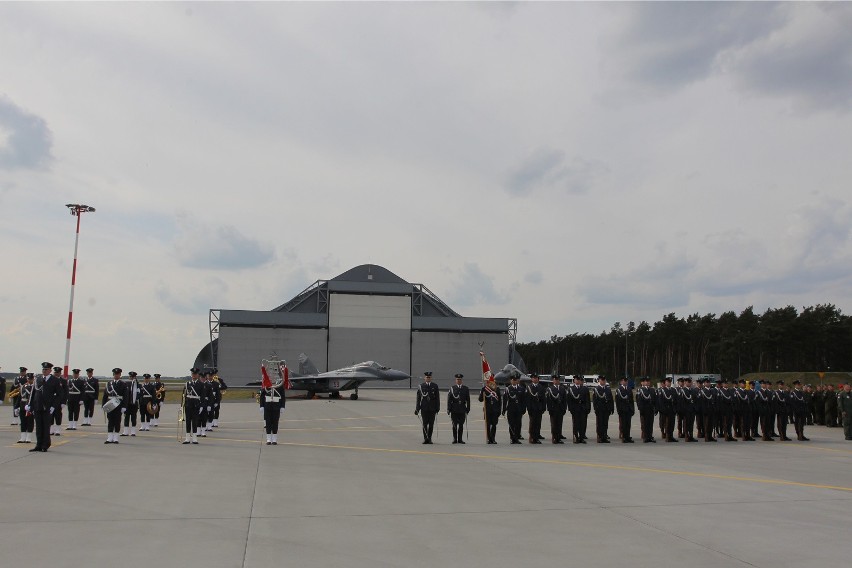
point(161, 393)
point(14, 392)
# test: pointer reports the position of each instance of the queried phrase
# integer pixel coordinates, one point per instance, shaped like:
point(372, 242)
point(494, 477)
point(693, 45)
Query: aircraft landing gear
point(309, 395)
point(354, 395)
point(334, 394)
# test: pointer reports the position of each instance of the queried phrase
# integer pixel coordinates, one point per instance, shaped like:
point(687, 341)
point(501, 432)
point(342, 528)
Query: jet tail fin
point(306, 366)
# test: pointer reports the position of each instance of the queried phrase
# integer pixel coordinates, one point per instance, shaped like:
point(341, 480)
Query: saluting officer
point(458, 407)
point(626, 409)
point(115, 389)
point(514, 408)
point(428, 405)
point(535, 408)
point(556, 399)
point(272, 403)
point(75, 398)
point(91, 392)
point(580, 405)
point(604, 408)
point(646, 400)
point(192, 391)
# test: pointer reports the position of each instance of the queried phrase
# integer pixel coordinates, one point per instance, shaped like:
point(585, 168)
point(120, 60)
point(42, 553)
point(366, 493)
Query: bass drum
point(112, 404)
point(152, 408)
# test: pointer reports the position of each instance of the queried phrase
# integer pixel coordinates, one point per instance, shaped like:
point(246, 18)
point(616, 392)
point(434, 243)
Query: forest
point(817, 338)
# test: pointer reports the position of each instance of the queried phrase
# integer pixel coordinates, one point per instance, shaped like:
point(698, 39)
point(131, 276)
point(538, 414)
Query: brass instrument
point(14, 392)
point(161, 393)
point(180, 413)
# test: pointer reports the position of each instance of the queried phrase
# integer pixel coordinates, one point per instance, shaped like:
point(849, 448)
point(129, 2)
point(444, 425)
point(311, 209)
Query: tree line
point(819, 338)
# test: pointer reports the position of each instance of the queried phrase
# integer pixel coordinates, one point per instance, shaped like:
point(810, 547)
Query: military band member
point(707, 402)
point(428, 405)
point(26, 416)
point(604, 408)
point(192, 392)
point(147, 395)
point(556, 400)
point(132, 404)
point(667, 407)
point(218, 384)
point(115, 389)
point(780, 400)
point(687, 403)
point(514, 408)
point(626, 408)
point(2, 388)
point(845, 404)
point(161, 399)
point(91, 393)
point(206, 409)
point(56, 427)
point(800, 410)
point(75, 398)
point(458, 407)
point(272, 402)
point(646, 400)
point(580, 406)
point(745, 407)
point(492, 404)
point(535, 408)
point(17, 383)
point(44, 402)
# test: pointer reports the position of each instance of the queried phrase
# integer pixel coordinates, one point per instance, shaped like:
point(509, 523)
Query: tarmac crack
point(253, 497)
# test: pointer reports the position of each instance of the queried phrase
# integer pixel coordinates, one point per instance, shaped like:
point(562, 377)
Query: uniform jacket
point(624, 401)
point(579, 399)
point(428, 398)
point(534, 398)
point(458, 399)
point(646, 400)
point(514, 399)
point(556, 399)
point(115, 388)
point(602, 399)
point(273, 397)
point(493, 399)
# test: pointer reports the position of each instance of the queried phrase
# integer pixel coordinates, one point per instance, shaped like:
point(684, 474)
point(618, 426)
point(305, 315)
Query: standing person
point(845, 403)
point(556, 400)
point(535, 408)
point(75, 398)
point(707, 402)
point(458, 407)
point(206, 408)
point(819, 405)
point(725, 410)
point(646, 400)
point(191, 404)
point(830, 403)
point(91, 392)
point(515, 406)
point(809, 402)
point(626, 409)
point(688, 402)
point(781, 401)
point(428, 405)
point(132, 404)
point(763, 405)
point(799, 407)
point(667, 406)
point(62, 385)
point(492, 400)
point(115, 392)
point(219, 387)
point(604, 408)
point(580, 405)
point(679, 406)
point(745, 408)
point(147, 400)
point(17, 383)
point(26, 416)
point(160, 389)
point(272, 403)
point(2, 388)
point(44, 402)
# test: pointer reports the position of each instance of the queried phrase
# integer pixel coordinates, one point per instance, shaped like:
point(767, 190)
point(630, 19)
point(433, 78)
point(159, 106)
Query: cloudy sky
point(571, 165)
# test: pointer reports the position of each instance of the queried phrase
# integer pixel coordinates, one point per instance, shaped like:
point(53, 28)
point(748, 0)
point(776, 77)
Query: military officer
point(91, 392)
point(604, 408)
point(17, 383)
point(514, 406)
point(626, 408)
point(56, 427)
point(192, 391)
point(492, 404)
point(679, 388)
point(707, 402)
point(535, 399)
point(147, 395)
point(667, 407)
point(219, 386)
point(115, 390)
point(763, 406)
point(206, 409)
point(780, 399)
point(160, 389)
point(745, 407)
point(458, 407)
point(845, 404)
point(809, 401)
point(800, 410)
point(688, 402)
point(556, 400)
point(428, 405)
point(830, 403)
point(272, 403)
point(646, 400)
point(26, 416)
point(580, 406)
point(44, 402)
point(132, 404)
point(819, 405)
point(75, 398)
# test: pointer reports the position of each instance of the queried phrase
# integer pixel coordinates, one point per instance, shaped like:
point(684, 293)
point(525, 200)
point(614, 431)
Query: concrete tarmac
point(350, 484)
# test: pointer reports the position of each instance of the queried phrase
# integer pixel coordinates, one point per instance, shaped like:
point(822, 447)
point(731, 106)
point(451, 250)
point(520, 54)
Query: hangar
point(366, 313)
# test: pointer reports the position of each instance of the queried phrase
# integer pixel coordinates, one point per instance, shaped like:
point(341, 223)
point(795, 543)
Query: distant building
point(366, 313)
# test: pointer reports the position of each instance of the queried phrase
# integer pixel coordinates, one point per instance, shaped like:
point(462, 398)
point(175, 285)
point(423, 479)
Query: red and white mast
point(77, 210)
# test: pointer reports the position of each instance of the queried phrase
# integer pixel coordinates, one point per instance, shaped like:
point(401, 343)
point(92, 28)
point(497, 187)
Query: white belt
point(192, 396)
point(274, 398)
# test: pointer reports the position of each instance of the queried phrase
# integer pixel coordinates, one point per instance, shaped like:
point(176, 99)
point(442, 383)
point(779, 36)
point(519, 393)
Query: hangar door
point(242, 348)
point(369, 328)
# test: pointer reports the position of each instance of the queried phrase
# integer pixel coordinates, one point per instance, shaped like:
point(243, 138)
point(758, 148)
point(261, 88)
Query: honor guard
point(44, 402)
point(762, 404)
point(91, 392)
point(604, 408)
point(458, 407)
point(819, 405)
point(646, 400)
point(75, 398)
point(132, 404)
point(192, 392)
point(667, 407)
point(17, 383)
point(428, 405)
point(219, 387)
point(780, 398)
point(688, 402)
point(206, 407)
point(514, 408)
point(492, 404)
point(707, 402)
point(535, 408)
point(679, 386)
point(844, 402)
point(56, 427)
point(580, 406)
point(26, 416)
point(160, 389)
point(114, 403)
point(556, 400)
point(744, 404)
point(272, 402)
point(147, 401)
point(800, 410)
point(830, 405)
point(626, 409)
point(2, 388)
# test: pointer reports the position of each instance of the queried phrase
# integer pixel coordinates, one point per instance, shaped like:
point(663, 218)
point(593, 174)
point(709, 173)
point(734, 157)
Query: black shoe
point(115, 441)
point(36, 449)
point(536, 442)
point(20, 442)
point(461, 441)
point(542, 438)
point(196, 443)
point(578, 441)
point(274, 443)
point(185, 442)
point(57, 434)
point(270, 443)
point(455, 441)
point(44, 449)
point(123, 435)
point(604, 441)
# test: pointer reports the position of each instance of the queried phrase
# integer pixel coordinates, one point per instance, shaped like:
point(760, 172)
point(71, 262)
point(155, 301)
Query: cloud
point(549, 168)
point(208, 293)
point(475, 287)
point(221, 248)
point(25, 139)
point(534, 277)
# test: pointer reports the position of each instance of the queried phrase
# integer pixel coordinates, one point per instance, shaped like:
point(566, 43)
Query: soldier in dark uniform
point(147, 395)
point(763, 405)
point(458, 407)
point(707, 401)
point(580, 406)
point(205, 411)
point(514, 408)
point(272, 402)
point(556, 400)
point(492, 404)
point(809, 403)
point(115, 389)
point(219, 387)
point(192, 391)
point(604, 408)
point(819, 405)
point(91, 392)
point(679, 406)
point(646, 400)
point(830, 400)
point(626, 409)
point(699, 409)
point(160, 389)
point(56, 427)
point(535, 408)
point(17, 383)
point(687, 403)
point(744, 400)
point(44, 402)
point(800, 410)
point(845, 404)
point(780, 402)
point(428, 405)
point(75, 398)
point(2, 388)
point(725, 410)
point(132, 404)
point(667, 407)
point(26, 416)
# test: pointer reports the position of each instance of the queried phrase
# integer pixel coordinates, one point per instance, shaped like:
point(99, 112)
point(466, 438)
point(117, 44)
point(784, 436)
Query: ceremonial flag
point(266, 382)
point(487, 375)
point(285, 374)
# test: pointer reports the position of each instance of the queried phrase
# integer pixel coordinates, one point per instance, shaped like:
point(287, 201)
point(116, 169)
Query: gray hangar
point(367, 313)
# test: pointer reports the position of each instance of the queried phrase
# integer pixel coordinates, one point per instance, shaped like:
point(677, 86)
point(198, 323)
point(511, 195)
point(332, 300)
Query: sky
point(566, 164)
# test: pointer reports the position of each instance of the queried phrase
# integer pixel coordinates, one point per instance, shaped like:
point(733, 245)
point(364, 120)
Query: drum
point(152, 408)
point(112, 404)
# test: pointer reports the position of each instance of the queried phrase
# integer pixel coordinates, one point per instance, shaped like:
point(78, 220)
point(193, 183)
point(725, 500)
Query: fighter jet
point(509, 371)
point(311, 380)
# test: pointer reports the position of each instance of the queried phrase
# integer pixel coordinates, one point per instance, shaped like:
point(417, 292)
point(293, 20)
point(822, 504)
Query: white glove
point(280, 410)
point(208, 409)
point(123, 410)
point(27, 408)
point(216, 405)
point(81, 403)
point(261, 410)
point(51, 410)
point(62, 406)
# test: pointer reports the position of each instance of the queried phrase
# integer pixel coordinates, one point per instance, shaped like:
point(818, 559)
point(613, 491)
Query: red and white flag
point(285, 374)
point(266, 382)
point(487, 375)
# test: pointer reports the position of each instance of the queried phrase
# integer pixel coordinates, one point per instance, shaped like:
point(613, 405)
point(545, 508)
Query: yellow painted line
point(575, 463)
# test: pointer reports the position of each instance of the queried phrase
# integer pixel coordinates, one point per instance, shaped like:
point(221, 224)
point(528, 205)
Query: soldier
point(763, 406)
point(830, 398)
point(115, 392)
point(160, 389)
point(845, 403)
point(44, 402)
point(819, 405)
point(580, 406)
point(2, 388)
point(192, 391)
point(809, 402)
point(515, 406)
point(206, 410)
point(799, 406)
point(75, 398)
point(679, 406)
point(132, 404)
point(218, 384)
point(272, 402)
point(646, 400)
point(91, 392)
point(780, 402)
point(147, 395)
point(707, 402)
point(728, 405)
point(458, 407)
point(604, 408)
point(625, 407)
point(428, 405)
point(699, 408)
point(556, 400)
point(536, 406)
point(17, 383)
point(667, 407)
point(56, 427)
point(687, 403)
point(26, 416)
point(492, 404)
point(744, 401)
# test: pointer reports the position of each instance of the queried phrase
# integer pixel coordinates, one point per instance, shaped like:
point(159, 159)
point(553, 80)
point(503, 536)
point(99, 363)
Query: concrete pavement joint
point(253, 497)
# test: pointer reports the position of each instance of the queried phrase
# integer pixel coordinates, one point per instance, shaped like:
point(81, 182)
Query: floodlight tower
point(77, 210)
